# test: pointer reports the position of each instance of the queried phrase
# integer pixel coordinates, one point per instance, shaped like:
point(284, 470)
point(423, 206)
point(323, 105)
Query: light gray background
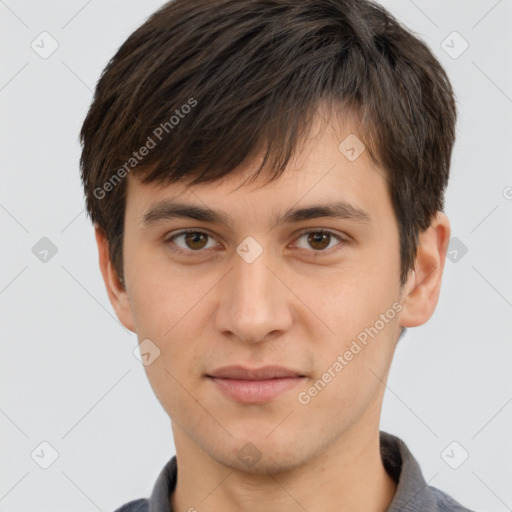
point(68, 373)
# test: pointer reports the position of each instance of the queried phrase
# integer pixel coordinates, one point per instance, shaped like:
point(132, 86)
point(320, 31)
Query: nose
point(254, 303)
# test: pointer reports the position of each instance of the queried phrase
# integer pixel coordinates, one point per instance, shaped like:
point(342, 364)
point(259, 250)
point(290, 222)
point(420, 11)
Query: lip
point(255, 391)
point(263, 373)
point(255, 386)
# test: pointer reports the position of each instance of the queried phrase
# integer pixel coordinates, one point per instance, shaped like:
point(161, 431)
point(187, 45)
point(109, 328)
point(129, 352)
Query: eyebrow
point(171, 209)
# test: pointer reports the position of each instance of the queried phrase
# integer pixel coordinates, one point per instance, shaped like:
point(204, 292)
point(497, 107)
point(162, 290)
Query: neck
point(348, 476)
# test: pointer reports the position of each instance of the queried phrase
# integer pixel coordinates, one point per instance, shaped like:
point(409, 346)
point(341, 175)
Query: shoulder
point(140, 505)
point(446, 503)
point(413, 494)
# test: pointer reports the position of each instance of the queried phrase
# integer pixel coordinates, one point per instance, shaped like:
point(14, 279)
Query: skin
point(295, 306)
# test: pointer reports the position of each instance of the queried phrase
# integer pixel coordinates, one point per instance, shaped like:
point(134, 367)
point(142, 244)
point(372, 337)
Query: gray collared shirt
point(412, 493)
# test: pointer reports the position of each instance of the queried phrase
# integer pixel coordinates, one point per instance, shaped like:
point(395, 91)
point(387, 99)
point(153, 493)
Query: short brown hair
point(252, 73)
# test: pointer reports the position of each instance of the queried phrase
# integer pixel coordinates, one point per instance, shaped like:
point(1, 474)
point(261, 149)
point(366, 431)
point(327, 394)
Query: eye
point(194, 241)
point(320, 240)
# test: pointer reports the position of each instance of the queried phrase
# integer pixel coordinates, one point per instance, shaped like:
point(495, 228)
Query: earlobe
point(116, 291)
point(421, 292)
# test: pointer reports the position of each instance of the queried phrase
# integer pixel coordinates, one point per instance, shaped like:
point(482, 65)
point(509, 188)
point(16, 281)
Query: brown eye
point(190, 242)
point(195, 240)
point(319, 241)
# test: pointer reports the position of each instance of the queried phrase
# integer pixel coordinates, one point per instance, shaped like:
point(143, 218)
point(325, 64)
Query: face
point(317, 294)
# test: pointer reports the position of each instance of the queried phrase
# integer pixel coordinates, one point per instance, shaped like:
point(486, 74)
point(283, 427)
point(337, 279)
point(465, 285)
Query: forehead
point(331, 166)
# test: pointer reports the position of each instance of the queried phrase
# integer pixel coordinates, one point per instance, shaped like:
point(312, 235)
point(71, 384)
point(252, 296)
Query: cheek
point(161, 294)
point(362, 311)
point(353, 299)
point(351, 369)
point(169, 308)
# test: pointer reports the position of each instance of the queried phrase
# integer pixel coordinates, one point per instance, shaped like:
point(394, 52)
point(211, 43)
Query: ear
point(115, 289)
point(421, 291)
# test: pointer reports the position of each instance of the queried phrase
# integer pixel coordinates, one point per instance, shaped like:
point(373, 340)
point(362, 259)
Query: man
point(266, 179)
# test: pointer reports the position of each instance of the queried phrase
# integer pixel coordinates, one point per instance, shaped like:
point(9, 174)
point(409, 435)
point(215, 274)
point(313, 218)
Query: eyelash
point(192, 254)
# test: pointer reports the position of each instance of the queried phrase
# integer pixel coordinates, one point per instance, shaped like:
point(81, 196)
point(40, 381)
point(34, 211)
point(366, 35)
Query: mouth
point(263, 373)
point(255, 386)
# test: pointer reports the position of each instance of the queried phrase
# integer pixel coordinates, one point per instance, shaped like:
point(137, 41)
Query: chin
point(259, 456)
